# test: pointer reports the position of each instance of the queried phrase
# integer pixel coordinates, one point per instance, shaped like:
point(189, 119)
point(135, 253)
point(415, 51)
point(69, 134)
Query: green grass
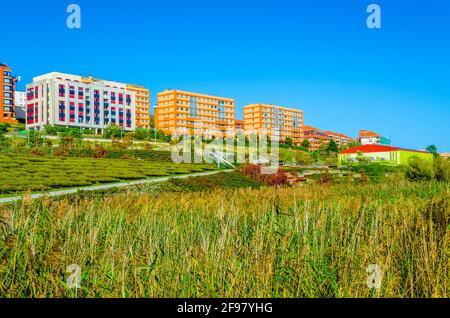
point(22, 173)
point(311, 241)
point(223, 180)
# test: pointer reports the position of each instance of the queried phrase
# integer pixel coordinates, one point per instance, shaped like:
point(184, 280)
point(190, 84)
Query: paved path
point(109, 186)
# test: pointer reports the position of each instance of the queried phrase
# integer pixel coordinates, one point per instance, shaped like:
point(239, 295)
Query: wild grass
point(312, 241)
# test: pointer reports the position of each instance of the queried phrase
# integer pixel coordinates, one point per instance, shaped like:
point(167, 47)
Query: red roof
point(365, 133)
point(375, 148)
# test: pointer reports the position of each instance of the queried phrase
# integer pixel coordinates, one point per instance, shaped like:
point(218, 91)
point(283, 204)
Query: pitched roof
point(365, 133)
point(376, 148)
point(337, 134)
point(310, 128)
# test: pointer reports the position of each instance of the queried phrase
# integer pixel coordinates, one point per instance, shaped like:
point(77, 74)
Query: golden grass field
point(311, 241)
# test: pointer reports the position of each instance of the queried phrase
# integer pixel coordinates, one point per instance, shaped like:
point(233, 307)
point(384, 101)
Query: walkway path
point(108, 186)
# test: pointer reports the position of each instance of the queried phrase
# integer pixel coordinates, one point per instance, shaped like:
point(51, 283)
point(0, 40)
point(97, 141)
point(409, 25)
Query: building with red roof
point(381, 153)
point(318, 137)
point(366, 137)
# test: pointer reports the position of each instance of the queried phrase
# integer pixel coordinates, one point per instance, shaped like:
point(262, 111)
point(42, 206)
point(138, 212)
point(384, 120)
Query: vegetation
point(223, 180)
point(313, 241)
point(27, 173)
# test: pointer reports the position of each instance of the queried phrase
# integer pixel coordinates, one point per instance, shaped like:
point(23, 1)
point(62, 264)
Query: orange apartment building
point(288, 121)
point(339, 138)
point(182, 109)
point(317, 137)
point(7, 88)
point(143, 119)
point(142, 102)
point(239, 124)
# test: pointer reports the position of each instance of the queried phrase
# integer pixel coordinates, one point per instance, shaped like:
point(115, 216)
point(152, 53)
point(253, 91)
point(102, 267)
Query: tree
point(332, 147)
point(433, 150)
point(289, 141)
point(306, 143)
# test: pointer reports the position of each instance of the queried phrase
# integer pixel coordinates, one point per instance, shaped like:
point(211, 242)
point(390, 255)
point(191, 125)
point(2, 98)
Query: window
point(7, 80)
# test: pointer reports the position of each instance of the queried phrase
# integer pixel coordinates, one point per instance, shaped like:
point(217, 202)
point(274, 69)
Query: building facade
point(195, 112)
point(239, 124)
point(73, 101)
point(20, 105)
point(339, 138)
point(287, 121)
point(7, 89)
point(316, 137)
point(143, 117)
point(382, 154)
point(366, 137)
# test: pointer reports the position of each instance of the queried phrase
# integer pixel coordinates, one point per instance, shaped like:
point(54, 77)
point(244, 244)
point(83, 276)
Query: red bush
point(277, 179)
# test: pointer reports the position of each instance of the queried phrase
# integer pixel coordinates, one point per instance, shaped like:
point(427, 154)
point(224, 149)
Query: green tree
point(332, 147)
point(289, 141)
point(433, 150)
point(306, 144)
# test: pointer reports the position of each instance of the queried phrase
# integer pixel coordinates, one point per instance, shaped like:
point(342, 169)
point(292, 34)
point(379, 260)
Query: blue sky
point(314, 55)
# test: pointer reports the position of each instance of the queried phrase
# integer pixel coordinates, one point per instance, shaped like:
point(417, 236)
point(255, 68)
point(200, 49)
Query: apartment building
point(7, 88)
point(316, 137)
point(239, 124)
point(339, 138)
point(142, 100)
point(288, 121)
point(143, 117)
point(194, 111)
point(74, 101)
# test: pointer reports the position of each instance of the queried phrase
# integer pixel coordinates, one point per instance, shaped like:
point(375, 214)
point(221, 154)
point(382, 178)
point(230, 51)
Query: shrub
point(112, 131)
point(277, 179)
point(441, 169)
point(419, 169)
point(141, 133)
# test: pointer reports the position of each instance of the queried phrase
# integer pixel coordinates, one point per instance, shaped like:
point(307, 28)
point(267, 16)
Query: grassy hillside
point(312, 241)
point(21, 173)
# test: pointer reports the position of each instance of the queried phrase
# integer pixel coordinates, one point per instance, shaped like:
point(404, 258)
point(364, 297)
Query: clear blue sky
point(315, 55)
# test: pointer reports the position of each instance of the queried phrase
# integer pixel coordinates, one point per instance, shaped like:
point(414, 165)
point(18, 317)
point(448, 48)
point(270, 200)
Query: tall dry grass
point(314, 241)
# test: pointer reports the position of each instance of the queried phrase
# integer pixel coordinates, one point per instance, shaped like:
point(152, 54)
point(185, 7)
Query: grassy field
point(311, 241)
point(21, 173)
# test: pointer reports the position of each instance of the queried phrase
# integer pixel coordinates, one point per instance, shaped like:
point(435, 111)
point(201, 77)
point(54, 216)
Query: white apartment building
point(60, 99)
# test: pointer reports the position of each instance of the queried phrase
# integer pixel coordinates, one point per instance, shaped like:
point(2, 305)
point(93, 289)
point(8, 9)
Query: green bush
point(441, 169)
point(419, 169)
point(112, 131)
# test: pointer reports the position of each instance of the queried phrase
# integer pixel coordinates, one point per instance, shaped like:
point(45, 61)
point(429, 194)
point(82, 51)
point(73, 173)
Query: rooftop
point(376, 148)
